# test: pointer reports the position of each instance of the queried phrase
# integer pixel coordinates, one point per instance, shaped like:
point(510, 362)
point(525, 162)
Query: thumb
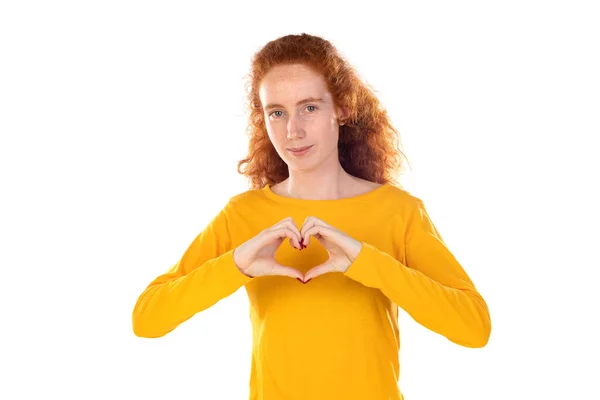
point(320, 269)
point(279, 269)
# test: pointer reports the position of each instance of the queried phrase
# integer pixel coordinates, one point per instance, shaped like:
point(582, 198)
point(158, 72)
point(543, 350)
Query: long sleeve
point(205, 274)
point(431, 287)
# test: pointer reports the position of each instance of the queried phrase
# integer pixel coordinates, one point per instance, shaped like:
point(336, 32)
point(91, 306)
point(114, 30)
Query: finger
point(293, 236)
point(283, 221)
point(317, 231)
point(312, 220)
point(282, 270)
point(318, 270)
point(289, 223)
point(279, 233)
point(309, 222)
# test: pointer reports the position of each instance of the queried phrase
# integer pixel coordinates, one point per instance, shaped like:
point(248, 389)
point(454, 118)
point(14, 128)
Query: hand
point(256, 257)
point(342, 249)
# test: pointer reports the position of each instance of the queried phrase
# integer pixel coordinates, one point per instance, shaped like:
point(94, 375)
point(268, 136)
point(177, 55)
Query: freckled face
point(300, 116)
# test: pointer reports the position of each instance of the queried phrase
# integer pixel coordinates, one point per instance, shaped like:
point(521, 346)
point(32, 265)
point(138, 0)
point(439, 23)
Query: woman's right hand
point(256, 257)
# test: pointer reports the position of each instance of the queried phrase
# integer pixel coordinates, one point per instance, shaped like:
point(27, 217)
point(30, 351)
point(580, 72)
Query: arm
point(432, 287)
point(205, 274)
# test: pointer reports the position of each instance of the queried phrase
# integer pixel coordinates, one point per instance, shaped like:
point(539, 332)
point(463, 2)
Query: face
point(299, 114)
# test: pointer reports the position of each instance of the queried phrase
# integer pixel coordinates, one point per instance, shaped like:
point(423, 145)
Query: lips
point(298, 149)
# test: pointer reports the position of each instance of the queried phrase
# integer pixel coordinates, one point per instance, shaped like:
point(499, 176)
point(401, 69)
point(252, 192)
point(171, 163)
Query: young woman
point(324, 308)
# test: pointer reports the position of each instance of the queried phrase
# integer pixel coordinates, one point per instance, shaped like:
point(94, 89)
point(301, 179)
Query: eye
point(312, 107)
point(275, 112)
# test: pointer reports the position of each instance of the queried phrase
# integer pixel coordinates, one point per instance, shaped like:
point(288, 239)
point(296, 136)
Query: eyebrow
point(307, 100)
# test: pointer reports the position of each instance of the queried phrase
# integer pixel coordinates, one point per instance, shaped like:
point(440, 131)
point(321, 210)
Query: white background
point(121, 126)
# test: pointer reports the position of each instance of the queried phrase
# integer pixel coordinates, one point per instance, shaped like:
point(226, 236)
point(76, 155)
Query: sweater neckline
point(370, 195)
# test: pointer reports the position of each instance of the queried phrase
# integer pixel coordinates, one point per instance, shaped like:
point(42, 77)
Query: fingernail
point(308, 280)
point(300, 280)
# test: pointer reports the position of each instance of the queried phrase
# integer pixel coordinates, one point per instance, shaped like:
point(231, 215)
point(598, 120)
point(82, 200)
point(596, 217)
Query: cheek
point(277, 135)
point(271, 128)
point(328, 129)
point(327, 123)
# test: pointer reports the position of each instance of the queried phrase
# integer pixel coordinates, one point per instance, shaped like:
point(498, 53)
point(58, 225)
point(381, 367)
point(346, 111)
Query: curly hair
point(368, 145)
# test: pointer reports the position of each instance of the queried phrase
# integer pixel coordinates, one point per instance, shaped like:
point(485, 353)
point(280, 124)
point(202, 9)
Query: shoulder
point(393, 191)
point(244, 199)
point(402, 196)
point(399, 204)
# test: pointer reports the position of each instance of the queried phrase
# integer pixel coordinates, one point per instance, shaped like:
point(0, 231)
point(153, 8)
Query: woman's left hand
point(342, 249)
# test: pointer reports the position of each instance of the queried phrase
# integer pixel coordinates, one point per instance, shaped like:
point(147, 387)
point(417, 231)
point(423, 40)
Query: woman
point(324, 310)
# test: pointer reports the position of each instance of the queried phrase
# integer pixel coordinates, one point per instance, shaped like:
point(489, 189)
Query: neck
point(328, 182)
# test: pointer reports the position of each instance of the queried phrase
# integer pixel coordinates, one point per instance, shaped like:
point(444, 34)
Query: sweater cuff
point(364, 268)
point(231, 273)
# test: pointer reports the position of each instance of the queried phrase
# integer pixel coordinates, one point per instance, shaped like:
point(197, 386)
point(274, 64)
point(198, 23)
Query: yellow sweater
point(335, 337)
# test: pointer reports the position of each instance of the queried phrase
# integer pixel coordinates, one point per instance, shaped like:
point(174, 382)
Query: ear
point(343, 114)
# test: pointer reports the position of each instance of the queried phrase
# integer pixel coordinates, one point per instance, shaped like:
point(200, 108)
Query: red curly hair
point(368, 145)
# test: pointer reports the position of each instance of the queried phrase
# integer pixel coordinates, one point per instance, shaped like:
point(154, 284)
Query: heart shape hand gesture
point(256, 257)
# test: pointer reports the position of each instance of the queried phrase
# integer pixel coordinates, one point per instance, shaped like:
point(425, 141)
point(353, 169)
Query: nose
point(294, 129)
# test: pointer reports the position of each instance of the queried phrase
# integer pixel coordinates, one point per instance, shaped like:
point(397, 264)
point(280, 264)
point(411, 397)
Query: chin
point(302, 166)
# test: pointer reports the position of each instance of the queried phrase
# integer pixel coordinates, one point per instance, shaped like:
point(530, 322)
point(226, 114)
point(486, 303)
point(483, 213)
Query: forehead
point(288, 83)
